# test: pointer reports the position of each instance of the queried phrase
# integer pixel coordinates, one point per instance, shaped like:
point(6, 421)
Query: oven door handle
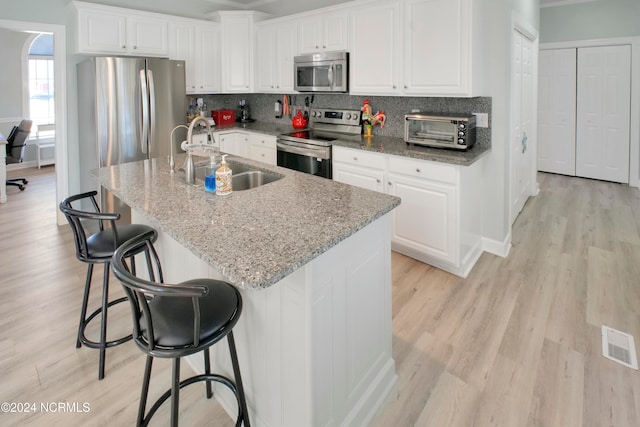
point(320, 153)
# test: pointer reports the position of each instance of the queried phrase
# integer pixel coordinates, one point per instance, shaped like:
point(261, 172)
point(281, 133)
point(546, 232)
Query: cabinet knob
point(406, 87)
point(124, 47)
point(262, 154)
point(355, 159)
point(418, 170)
point(394, 86)
point(378, 180)
point(324, 47)
point(390, 183)
point(316, 46)
point(135, 47)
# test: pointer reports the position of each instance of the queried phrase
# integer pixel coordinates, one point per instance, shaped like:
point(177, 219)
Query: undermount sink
point(245, 177)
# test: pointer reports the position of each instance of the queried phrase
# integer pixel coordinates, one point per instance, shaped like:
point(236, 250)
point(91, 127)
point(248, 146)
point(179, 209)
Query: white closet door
point(557, 111)
point(604, 96)
point(522, 162)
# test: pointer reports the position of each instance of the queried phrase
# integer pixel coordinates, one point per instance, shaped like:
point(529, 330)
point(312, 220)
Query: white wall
point(592, 20)
point(496, 19)
point(11, 75)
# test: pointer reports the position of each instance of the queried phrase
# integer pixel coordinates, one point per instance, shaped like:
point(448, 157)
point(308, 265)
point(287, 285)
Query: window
point(41, 78)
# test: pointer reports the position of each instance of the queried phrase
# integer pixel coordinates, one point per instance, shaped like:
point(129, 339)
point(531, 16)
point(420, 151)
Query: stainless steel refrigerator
point(127, 108)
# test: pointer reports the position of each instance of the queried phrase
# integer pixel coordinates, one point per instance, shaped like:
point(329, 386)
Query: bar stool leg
point(85, 301)
point(175, 392)
point(103, 326)
point(207, 371)
point(145, 391)
point(238, 378)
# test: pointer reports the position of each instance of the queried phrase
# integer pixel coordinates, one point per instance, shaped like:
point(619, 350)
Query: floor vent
point(619, 347)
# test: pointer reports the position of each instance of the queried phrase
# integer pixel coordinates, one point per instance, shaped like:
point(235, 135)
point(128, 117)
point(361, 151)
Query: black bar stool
point(98, 248)
point(173, 321)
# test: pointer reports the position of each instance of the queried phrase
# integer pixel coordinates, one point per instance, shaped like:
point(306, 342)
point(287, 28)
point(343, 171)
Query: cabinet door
point(287, 47)
point(266, 55)
point(335, 31)
point(237, 53)
point(101, 32)
point(374, 57)
point(425, 220)
point(242, 145)
point(310, 34)
point(208, 58)
point(147, 36)
point(228, 143)
point(263, 148)
point(437, 51)
point(182, 47)
point(371, 179)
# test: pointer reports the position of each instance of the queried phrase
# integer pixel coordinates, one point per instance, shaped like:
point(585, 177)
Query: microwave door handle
point(330, 76)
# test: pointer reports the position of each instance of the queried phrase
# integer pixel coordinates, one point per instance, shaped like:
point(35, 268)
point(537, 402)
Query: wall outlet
point(482, 120)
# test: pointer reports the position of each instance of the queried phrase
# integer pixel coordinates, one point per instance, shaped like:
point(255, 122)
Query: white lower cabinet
point(255, 146)
point(263, 148)
point(438, 220)
point(235, 143)
point(359, 168)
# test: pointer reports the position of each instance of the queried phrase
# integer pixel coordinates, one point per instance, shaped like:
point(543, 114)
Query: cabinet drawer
point(423, 169)
point(262, 140)
point(358, 157)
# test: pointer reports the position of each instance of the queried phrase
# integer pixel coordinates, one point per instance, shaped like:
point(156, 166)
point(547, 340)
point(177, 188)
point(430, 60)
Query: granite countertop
point(377, 143)
point(255, 237)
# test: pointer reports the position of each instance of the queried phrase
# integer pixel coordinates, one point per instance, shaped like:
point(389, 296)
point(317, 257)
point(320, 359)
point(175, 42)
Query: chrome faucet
point(190, 170)
point(193, 124)
point(172, 162)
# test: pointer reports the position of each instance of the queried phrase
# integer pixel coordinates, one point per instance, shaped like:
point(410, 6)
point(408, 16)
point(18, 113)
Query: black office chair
point(98, 248)
point(173, 321)
point(16, 143)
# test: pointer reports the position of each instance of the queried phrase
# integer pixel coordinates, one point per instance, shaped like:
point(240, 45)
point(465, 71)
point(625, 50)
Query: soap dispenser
point(210, 178)
point(223, 178)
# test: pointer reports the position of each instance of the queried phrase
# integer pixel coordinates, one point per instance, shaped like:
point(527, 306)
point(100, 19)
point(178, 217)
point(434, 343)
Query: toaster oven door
point(429, 132)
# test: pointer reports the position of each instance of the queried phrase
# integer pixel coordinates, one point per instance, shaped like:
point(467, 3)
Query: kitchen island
point(312, 259)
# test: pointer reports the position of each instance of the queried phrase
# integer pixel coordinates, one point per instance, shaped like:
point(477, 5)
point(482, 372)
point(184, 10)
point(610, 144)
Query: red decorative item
point(298, 121)
point(223, 117)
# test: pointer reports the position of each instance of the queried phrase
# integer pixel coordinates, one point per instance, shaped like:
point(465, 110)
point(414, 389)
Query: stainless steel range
point(309, 150)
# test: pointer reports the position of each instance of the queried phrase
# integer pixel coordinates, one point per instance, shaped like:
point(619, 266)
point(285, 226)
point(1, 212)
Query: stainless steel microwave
point(457, 131)
point(322, 72)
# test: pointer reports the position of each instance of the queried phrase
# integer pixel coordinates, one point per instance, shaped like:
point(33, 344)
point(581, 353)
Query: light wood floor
point(517, 343)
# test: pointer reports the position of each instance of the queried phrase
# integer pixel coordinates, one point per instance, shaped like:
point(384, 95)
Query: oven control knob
point(460, 141)
point(348, 116)
point(460, 133)
point(355, 117)
point(461, 126)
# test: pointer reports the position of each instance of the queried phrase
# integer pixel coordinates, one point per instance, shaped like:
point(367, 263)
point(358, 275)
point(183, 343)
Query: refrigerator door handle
point(144, 100)
point(152, 108)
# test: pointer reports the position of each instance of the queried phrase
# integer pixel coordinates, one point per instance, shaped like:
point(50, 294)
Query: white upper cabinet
point(276, 45)
point(198, 44)
point(117, 31)
point(324, 32)
point(374, 55)
point(437, 47)
point(237, 50)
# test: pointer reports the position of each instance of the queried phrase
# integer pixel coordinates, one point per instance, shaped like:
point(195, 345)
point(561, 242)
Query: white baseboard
point(496, 247)
point(23, 165)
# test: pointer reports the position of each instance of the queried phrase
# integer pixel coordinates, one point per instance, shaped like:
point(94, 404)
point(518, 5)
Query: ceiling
point(199, 8)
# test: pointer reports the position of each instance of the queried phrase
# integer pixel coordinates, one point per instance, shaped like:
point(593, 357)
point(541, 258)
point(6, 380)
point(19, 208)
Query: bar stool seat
point(177, 320)
point(98, 248)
